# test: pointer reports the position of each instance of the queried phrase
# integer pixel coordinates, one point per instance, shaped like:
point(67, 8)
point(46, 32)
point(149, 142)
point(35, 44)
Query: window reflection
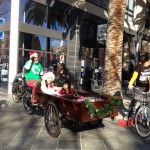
point(4, 51)
point(30, 41)
point(58, 46)
point(4, 60)
point(33, 13)
point(59, 17)
point(101, 3)
point(58, 52)
point(49, 57)
point(5, 6)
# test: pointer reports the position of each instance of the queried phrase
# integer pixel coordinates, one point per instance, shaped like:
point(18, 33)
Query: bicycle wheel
point(15, 92)
point(27, 105)
point(15, 97)
point(52, 120)
point(142, 121)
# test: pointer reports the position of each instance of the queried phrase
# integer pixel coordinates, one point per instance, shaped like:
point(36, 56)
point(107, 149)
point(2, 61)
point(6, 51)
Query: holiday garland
point(103, 111)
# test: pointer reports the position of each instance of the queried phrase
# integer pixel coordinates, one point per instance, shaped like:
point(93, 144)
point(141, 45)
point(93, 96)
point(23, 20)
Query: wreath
point(103, 111)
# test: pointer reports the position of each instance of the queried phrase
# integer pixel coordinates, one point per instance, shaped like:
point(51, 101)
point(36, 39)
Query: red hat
point(33, 54)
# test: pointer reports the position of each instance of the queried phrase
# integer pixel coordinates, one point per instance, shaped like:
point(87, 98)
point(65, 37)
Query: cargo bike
point(60, 107)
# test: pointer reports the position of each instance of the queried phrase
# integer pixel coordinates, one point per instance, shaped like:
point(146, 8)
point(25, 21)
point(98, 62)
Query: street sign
point(1, 33)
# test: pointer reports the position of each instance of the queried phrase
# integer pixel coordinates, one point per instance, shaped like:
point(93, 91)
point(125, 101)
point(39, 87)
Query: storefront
point(67, 32)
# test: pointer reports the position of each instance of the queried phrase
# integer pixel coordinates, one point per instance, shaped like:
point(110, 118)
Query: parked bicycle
point(17, 88)
point(141, 113)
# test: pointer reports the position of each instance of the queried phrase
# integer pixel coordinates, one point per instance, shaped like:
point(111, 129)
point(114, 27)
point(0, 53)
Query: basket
point(140, 96)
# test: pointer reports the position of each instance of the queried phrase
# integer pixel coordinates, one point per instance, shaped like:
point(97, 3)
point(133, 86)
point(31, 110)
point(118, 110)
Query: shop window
point(33, 42)
point(5, 8)
point(101, 3)
point(58, 51)
point(147, 21)
point(33, 13)
point(89, 32)
point(38, 14)
point(127, 55)
point(4, 60)
point(129, 10)
point(4, 48)
point(93, 62)
point(145, 46)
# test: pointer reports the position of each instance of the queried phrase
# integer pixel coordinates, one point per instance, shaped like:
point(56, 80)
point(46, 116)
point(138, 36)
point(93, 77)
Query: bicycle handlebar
point(138, 91)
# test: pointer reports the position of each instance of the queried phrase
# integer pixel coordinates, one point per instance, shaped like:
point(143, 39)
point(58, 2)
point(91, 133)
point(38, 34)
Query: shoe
point(129, 114)
point(125, 117)
point(34, 104)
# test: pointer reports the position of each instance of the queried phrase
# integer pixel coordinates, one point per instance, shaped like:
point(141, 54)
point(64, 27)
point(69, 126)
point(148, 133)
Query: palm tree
point(39, 14)
point(113, 55)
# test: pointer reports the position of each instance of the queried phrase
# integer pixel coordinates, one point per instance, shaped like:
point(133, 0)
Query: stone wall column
point(73, 63)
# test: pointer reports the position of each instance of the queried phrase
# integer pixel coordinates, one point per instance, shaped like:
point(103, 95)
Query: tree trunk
point(113, 55)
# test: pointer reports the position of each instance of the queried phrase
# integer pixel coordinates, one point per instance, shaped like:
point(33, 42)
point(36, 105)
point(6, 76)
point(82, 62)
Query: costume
point(33, 72)
point(47, 85)
point(65, 92)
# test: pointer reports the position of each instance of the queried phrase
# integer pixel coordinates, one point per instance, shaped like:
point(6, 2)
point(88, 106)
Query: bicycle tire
point(27, 105)
point(52, 121)
point(142, 121)
point(15, 97)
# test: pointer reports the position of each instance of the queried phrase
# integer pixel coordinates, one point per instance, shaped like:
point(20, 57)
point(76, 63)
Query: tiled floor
point(19, 131)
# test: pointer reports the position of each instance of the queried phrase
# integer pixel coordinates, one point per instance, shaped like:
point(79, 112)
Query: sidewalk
point(19, 131)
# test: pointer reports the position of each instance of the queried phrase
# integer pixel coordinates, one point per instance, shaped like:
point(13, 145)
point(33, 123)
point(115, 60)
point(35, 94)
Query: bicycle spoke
point(142, 121)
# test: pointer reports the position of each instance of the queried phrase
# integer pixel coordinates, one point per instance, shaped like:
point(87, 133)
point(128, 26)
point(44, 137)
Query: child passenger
point(66, 89)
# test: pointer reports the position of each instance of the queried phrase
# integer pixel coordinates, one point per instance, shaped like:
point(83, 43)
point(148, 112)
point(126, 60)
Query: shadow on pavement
point(3, 103)
point(76, 127)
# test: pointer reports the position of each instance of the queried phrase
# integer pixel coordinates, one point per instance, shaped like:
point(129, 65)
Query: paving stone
point(69, 144)
point(19, 131)
point(93, 145)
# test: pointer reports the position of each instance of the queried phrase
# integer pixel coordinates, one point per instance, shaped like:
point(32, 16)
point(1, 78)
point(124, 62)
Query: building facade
point(73, 29)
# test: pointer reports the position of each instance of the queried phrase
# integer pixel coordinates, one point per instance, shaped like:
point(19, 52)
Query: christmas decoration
point(103, 111)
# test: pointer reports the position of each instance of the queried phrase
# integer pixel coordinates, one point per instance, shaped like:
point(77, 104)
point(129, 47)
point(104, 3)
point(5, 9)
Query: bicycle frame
point(141, 113)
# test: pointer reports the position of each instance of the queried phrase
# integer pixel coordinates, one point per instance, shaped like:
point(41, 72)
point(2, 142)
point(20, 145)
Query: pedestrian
point(141, 75)
point(33, 73)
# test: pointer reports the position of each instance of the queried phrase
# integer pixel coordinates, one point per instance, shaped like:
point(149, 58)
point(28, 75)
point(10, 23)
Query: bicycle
point(17, 88)
point(142, 113)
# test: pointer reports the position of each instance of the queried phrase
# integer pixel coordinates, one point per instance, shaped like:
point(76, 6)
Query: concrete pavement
point(19, 131)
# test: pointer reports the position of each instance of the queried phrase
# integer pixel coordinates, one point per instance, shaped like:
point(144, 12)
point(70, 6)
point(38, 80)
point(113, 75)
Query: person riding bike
point(140, 79)
point(33, 73)
point(141, 75)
